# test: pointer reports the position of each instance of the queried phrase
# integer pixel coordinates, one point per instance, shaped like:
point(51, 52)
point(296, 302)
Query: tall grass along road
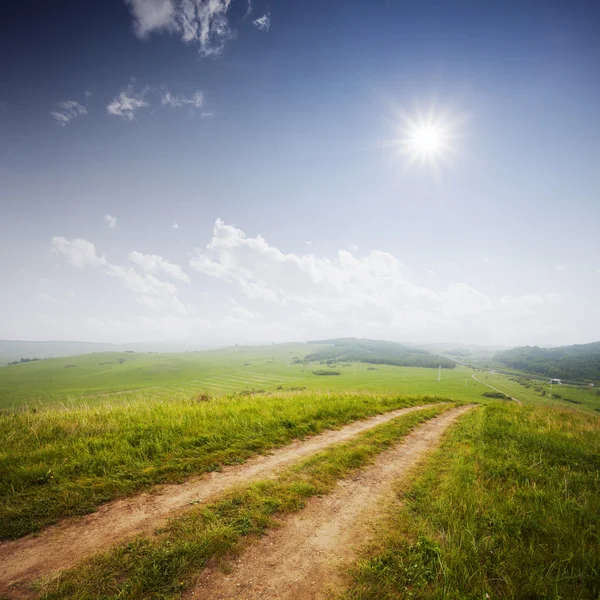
point(61, 546)
point(164, 564)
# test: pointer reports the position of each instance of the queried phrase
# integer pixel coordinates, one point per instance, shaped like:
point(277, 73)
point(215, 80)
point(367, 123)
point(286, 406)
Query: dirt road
point(63, 545)
point(305, 557)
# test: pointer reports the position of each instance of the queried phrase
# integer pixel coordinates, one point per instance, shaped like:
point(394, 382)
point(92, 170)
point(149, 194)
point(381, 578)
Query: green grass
point(162, 566)
point(586, 399)
point(508, 507)
point(100, 376)
point(60, 462)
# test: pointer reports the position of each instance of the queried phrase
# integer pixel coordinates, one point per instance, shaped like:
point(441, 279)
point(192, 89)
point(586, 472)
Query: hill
point(576, 363)
point(376, 352)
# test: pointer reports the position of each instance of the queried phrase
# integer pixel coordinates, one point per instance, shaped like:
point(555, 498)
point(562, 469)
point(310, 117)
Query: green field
point(111, 375)
point(508, 507)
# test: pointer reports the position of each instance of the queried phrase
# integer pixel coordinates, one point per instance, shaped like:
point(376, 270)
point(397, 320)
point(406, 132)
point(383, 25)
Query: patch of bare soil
point(305, 557)
point(63, 545)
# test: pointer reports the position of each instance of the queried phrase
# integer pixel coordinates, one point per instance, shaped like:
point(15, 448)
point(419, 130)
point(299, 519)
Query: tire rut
point(63, 545)
point(305, 556)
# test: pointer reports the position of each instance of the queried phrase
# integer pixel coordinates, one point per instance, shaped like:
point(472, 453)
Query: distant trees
point(576, 363)
point(326, 372)
point(376, 352)
point(23, 360)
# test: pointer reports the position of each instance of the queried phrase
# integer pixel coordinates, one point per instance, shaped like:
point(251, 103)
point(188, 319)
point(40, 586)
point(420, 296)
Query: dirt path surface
point(304, 558)
point(496, 389)
point(63, 545)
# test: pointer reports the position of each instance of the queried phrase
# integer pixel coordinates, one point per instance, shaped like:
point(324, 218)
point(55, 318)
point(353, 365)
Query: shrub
point(325, 372)
point(496, 395)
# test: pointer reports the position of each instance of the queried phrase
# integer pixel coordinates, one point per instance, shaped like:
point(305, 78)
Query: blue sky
point(219, 172)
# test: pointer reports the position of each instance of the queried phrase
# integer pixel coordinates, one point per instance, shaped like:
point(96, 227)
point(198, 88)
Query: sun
point(426, 140)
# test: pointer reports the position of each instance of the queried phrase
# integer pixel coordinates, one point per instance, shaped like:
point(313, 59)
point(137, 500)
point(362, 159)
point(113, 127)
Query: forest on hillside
point(577, 363)
point(376, 352)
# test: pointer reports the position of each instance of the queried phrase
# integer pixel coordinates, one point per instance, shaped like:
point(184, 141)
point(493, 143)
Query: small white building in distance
point(555, 381)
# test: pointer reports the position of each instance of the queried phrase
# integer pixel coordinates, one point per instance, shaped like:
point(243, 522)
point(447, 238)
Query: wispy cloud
point(127, 102)
point(175, 226)
point(110, 221)
point(153, 293)
point(263, 23)
point(196, 100)
point(560, 267)
point(153, 263)
point(203, 22)
point(67, 111)
point(79, 253)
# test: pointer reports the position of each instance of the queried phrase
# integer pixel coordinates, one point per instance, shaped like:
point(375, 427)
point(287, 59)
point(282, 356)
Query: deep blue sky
point(296, 141)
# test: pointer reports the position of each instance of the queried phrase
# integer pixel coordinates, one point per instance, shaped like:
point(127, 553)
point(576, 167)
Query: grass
point(66, 461)
point(508, 507)
point(114, 376)
point(529, 391)
point(164, 565)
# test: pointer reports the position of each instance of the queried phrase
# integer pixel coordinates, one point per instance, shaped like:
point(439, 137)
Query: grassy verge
point(60, 462)
point(509, 507)
point(162, 566)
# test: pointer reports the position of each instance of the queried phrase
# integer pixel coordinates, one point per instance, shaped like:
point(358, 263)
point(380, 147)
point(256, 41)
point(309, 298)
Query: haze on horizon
point(239, 171)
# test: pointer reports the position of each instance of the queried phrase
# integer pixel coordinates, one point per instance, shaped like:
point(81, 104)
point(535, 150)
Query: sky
point(214, 172)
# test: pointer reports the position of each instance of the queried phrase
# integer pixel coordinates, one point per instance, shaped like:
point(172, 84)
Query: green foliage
point(326, 372)
point(498, 395)
point(576, 363)
point(377, 352)
point(509, 507)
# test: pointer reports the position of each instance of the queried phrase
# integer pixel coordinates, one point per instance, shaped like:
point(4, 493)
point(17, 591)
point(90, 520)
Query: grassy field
point(508, 507)
point(112, 376)
point(529, 391)
point(60, 462)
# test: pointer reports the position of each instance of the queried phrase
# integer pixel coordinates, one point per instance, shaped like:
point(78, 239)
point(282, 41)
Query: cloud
point(263, 23)
point(527, 304)
point(127, 102)
point(196, 100)
point(560, 268)
point(45, 286)
point(345, 294)
point(153, 292)
point(202, 22)
point(67, 111)
point(110, 221)
point(152, 263)
point(80, 253)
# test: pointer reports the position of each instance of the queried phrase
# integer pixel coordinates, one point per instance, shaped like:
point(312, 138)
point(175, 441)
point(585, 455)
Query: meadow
point(507, 507)
point(128, 375)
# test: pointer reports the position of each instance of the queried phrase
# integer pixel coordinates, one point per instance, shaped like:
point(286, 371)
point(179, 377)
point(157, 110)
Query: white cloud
point(560, 268)
point(175, 226)
point(163, 295)
point(79, 253)
point(263, 23)
point(44, 290)
point(196, 100)
point(350, 295)
point(110, 221)
point(486, 259)
point(527, 304)
point(153, 263)
point(203, 22)
point(127, 102)
point(67, 111)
